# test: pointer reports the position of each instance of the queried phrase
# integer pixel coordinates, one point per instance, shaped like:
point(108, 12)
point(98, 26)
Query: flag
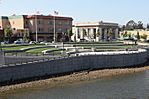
point(55, 12)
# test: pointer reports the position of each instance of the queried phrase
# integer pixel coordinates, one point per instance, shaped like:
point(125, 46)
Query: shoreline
point(70, 79)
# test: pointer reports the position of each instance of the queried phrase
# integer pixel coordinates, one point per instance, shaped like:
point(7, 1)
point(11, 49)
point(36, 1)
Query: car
point(32, 42)
point(19, 41)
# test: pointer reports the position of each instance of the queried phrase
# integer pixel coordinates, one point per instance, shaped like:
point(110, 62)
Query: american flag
point(55, 12)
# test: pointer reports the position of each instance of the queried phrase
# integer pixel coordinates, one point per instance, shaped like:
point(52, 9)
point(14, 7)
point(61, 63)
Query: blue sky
point(119, 11)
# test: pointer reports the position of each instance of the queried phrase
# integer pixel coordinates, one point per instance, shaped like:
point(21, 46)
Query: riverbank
point(70, 79)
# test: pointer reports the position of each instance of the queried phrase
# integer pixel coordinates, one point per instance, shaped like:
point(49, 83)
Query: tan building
point(134, 33)
point(41, 26)
point(96, 31)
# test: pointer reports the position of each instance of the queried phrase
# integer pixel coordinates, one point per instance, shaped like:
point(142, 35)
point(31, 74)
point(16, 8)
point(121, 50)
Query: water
point(132, 86)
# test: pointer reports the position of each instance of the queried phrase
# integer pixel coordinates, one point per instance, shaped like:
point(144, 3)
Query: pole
point(36, 28)
point(54, 37)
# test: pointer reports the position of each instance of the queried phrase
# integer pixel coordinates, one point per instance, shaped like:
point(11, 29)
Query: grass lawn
point(19, 47)
point(39, 50)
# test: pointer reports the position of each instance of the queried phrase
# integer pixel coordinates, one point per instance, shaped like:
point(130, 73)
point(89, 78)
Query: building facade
point(41, 26)
point(95, 31)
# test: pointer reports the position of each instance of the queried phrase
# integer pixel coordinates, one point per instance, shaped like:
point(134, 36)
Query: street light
point(63, 38)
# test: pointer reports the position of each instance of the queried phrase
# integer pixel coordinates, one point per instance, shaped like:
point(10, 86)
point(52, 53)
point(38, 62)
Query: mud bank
point(70, 79)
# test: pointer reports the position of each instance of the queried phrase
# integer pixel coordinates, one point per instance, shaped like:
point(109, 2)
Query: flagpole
point(36, 28)
point(54, 37)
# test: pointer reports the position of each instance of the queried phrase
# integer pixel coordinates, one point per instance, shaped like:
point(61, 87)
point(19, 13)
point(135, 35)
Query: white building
point(97, 31)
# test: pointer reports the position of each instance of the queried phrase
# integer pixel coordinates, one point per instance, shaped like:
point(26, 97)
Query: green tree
point(25, 35)
point(110, 34)
point(8, 33)
point(69, 34)
point(125, 34)
point(138, 36)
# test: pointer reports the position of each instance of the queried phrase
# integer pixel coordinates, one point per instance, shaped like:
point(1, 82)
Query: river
point(130, 86)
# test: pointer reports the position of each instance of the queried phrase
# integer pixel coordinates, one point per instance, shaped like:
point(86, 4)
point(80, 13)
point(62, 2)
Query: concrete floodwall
point(71, 64)
point(2, 61)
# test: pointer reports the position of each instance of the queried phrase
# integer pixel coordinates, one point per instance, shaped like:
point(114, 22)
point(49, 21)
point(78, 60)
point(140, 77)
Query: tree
point(123, 28)
point(131, 25)
point(110, 34)
point(138, 36)
point(147, 26)
point(8, 33)
point(69, 34)
point(140, 25)
point(125, 34)
point(25, 36)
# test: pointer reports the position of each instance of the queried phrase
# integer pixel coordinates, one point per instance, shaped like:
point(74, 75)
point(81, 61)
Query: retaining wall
point(2, 58)
point(71, 64)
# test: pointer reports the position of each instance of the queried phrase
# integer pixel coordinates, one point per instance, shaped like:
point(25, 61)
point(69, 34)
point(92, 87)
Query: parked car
point(32, 42)
point(19, 41)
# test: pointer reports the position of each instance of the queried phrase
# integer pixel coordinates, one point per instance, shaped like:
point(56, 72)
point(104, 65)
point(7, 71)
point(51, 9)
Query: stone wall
point(71, 64)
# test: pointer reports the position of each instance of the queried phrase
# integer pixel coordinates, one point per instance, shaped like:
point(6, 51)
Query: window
point(40, 29)
point(50, 22)
point(50, 29)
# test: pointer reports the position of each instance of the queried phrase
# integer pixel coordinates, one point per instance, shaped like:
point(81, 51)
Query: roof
point(85, 24)
point(48, 16)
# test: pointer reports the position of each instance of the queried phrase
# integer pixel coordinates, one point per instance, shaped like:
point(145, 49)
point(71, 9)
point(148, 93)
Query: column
point(116, 33)
point(105, 34)
point(81, 34)
point(76, 33)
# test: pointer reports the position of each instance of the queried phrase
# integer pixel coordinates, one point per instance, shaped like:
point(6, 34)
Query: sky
point(119, 11)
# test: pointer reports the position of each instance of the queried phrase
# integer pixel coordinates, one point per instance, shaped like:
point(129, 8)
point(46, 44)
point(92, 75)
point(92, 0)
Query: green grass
point(14, 48)
point(39, 50)
point(19, 47)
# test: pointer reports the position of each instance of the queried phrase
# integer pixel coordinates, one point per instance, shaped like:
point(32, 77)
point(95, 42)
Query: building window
point(50, 22)
point(39, 22)
point(40, 29)
point(50, 29)
point(59, 30)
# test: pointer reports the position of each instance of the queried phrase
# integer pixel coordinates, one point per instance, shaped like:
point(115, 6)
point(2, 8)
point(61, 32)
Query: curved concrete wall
point(64, 65)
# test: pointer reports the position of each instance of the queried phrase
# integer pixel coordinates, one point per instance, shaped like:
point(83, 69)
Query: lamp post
point(63, 38)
